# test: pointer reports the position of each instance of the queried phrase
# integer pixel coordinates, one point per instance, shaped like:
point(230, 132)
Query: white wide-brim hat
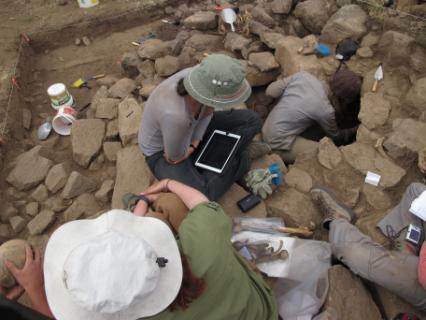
point(117, 266)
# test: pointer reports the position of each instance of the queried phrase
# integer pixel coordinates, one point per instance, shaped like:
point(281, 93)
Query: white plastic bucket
point(87, 3)
point(63, 120)
point(59, 96)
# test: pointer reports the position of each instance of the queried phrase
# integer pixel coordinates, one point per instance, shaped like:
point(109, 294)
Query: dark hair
point(346, 92)
point(180, 88)
point(192, 287)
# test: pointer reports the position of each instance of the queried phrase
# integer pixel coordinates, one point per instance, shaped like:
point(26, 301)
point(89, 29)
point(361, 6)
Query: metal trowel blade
point(44, 130)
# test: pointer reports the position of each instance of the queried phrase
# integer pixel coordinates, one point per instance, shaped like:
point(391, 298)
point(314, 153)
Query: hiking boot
point(329, 207)
point(257, 149)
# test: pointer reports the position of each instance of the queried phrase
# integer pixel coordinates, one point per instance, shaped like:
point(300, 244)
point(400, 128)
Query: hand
point(142, 207)
point(14, 293)
point(30, 277)
point(158, 187)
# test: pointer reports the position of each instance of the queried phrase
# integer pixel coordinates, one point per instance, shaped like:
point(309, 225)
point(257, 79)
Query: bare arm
point(189, 196)
point(30, 277)
point(276, 88)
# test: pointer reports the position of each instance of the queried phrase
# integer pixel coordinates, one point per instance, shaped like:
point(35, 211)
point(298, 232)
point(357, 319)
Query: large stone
point(348, 22)
point(166, 66)
point(392, 305)
point(416, 97)
point(298, 179)
point(17, 223)
point(418, 58)
point(130, 63)
point(40, 194)
point(271, 39)
point(395, 47)
point(292, 62)
point(366, 136)
point(85, 204)
point(101, 93)
point(153, 49)
point(257, 28)
point(105, 191)
point(8, 213)
point(264, 61)
point(111, 149)
point(337, 180)
point(313, 14)
point(147, 69)
point(256, 78)
point(87, 136)
point(294, 207)
point(56, 178)
point(31, 209)
point(30, 169)
point(14, 251)
point(129, 119)
point(122, 88)
point(202, 20)
point(263, 17)
point(133, 174)
point(407, 139)
point(229, 203)
point(107, 108)
point(235, 42)
point(376, 197)
point(347, 297)
point(77, 184)
point(365, 158)
point(204, 42)
point(40, 222)
point(374, 111)
point(281, 6)
point(5, 232)
point(112, 130)
point(328, 154)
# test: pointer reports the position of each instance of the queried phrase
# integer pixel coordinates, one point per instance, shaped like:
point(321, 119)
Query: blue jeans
point(245, 123)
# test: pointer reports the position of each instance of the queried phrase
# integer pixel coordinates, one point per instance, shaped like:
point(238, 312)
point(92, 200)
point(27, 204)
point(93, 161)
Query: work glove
point(259, 181)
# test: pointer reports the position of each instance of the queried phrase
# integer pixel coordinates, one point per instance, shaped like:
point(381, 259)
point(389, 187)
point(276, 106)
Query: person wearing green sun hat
point(189, 106)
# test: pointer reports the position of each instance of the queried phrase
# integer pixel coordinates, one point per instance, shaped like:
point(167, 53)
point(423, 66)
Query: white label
point(372, 178)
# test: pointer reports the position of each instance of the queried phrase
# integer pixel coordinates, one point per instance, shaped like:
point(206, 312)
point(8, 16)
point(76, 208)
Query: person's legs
point(394, 271)
point(400, 216)
point(245, 123)
point(184, 172)
point(300, 145)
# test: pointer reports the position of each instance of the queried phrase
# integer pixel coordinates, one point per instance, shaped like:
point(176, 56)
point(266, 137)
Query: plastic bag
point(302, 293)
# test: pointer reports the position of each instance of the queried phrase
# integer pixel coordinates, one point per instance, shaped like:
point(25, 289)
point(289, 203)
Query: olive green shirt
point(234, 290)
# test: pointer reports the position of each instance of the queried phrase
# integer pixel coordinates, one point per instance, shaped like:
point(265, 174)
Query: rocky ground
point(82, 176)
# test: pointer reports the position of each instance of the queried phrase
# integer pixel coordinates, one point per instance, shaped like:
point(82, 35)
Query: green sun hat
point(218, 82)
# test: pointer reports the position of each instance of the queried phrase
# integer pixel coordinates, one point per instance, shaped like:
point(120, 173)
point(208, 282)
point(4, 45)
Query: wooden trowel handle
point(296, 231)
point(376, 82)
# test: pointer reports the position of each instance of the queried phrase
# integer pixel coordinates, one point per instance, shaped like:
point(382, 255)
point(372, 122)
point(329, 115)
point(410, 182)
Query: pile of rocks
point(45, 194)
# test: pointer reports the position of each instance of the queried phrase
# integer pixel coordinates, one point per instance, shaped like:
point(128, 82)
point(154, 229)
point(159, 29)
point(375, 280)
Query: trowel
point(229, 16)
point(378, 75)
point(44, 130)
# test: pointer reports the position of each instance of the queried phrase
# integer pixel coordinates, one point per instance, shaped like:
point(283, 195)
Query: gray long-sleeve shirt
point(303, 100)
point(167, 123)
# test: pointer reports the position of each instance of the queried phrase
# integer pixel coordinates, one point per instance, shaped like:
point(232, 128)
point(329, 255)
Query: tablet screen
point(217, 151)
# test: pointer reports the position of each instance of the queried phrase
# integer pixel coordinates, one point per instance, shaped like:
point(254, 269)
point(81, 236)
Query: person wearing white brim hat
point(123, 266)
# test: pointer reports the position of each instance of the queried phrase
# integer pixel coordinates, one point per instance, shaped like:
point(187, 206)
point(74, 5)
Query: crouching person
point(400, 270)
point(125, 266)
point(303, 102)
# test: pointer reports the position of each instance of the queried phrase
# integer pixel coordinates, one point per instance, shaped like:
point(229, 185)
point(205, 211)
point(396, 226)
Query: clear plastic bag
point(302, 293)
point(263, 225)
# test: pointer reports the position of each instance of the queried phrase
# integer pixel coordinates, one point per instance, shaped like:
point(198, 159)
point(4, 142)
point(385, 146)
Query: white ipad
point(217, 151)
